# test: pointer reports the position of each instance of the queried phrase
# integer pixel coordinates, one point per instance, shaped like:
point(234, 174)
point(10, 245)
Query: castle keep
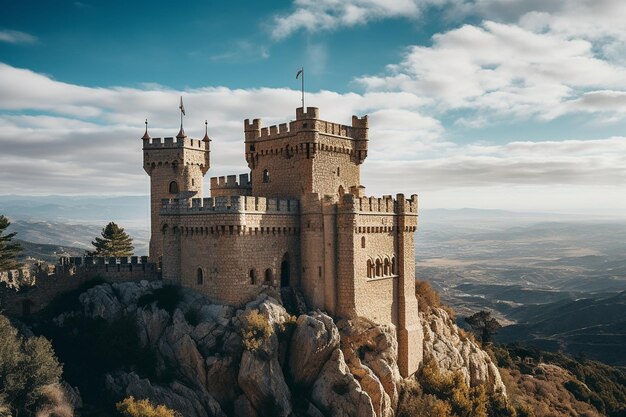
point(298, 220)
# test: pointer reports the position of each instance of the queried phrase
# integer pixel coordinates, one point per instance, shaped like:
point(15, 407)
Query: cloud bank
point(64, 138)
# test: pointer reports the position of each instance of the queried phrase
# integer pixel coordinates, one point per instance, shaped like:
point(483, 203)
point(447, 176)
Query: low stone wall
point(69, 275)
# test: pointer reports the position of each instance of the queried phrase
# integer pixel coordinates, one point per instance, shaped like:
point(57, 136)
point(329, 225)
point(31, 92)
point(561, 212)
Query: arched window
point(394, 270)
point(370, 268)
point(200, 276)
point(173, 187)
point(268, 276)
point(379, 268)
point(253, 276)
point(266, 175)
point(387, 267)
point(363, 241)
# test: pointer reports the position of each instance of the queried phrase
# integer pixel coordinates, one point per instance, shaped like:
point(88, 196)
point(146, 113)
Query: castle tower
point(308, 155)
point(176, 167)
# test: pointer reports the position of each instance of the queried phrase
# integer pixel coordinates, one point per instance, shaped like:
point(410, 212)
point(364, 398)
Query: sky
point(502, 104)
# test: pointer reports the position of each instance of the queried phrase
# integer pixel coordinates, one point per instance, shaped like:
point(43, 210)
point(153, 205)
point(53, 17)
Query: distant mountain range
point(44, 252)
point(594, 327)
point(133, 210)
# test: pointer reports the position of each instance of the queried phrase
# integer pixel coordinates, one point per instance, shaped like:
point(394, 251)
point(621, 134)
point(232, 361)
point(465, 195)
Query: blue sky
point(511, 104)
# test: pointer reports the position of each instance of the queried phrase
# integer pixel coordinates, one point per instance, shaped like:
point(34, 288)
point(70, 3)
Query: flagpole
point(303, 88)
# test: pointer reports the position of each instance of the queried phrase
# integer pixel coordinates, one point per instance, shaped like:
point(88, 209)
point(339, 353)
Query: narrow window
point(173, 187)
point(369, 268)
point(253, 276)
point(379, 268)
point(266, 175)
point(200, 276)
point(387, 268)
point(362, 241)
point(319, 271)
point(193, 182)
point(393, 266)
point(268, 276)
point(337, 171)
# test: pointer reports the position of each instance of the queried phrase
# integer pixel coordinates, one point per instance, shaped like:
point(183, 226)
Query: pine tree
point(114, 242)
point(8, 250)
point(483, 325)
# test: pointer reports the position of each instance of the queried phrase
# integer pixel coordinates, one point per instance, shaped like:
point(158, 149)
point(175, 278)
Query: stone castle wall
point(230, 247)
point(69, 275)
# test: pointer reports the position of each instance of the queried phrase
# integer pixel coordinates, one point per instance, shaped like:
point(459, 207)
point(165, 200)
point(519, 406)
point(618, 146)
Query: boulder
point(314, 340)
point(221, 379)
point(188, 402)
point(337, 394)
point(260, 375)
point(101, 302)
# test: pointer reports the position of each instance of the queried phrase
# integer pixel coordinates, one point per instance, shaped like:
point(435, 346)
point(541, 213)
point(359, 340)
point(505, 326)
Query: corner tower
point(176, 167)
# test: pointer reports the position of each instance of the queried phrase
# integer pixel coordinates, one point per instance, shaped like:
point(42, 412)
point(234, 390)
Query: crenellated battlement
point(306, 121)
point(87, 261)
point(384, 204)
point(229, 185)
point(229, 204)
point(171, 142)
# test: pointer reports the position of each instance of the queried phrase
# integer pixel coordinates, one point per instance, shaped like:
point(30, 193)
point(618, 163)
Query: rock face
point(311, 366)
point(314, 340)
point(454, 352)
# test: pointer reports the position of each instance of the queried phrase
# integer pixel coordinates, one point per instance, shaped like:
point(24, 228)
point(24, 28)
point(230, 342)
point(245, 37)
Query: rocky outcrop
point(337, 394)
point(314, 340)
point(371, 352)
point(260, 374)
point(210, 362)
point(454, 351)
point(192, 403)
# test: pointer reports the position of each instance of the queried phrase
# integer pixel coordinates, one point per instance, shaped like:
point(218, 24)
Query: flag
point(301, 71)
point(181, 107)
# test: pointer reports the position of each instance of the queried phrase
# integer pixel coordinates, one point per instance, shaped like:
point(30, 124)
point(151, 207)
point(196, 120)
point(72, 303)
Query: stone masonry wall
point(69, 275)
point(225, 238)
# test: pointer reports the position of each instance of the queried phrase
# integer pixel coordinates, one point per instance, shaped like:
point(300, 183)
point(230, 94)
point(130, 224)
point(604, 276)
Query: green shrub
point(143, 408)
point(256, 329)
point(27, 366)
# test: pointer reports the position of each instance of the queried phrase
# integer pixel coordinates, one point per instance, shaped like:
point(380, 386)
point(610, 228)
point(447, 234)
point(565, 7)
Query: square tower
point(306, 156)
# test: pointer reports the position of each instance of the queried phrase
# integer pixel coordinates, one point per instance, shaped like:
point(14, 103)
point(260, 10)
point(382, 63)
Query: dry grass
point(256, 329)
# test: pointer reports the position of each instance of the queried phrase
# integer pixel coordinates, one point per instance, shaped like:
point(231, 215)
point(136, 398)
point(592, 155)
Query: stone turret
point(176, 166)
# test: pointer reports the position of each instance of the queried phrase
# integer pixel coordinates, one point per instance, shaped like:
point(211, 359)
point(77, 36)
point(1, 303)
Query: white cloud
point(504, 70)
point(320, 15)
point(66, 151)
point(16, 37)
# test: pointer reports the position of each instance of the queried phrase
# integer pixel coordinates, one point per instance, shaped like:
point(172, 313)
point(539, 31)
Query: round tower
point(176, 167)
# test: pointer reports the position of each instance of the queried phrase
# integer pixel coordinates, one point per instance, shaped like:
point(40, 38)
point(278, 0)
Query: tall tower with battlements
point(308, 155)
point(176, 167)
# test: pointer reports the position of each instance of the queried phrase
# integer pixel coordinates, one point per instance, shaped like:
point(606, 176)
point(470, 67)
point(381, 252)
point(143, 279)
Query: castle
point(299, 220)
